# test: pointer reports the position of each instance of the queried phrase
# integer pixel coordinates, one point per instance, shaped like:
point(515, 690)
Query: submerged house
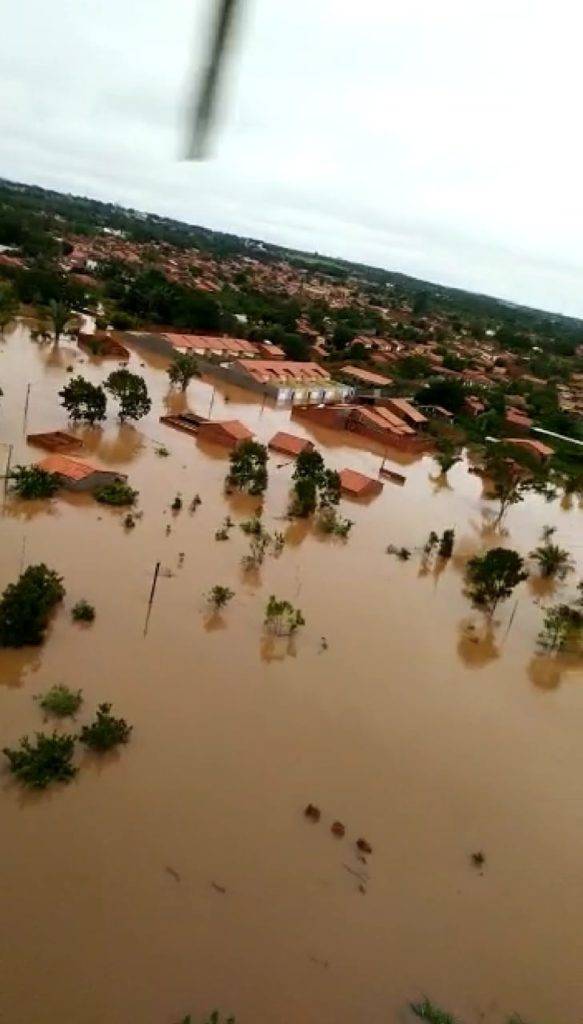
point(290, 444)
point(375, 422)
point(356, 485)
point(228, 433)
point(103, 344)
point(78, 476)
point(55, 441)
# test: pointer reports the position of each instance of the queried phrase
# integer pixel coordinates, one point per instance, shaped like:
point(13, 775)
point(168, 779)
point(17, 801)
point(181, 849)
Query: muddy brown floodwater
point(182, 875)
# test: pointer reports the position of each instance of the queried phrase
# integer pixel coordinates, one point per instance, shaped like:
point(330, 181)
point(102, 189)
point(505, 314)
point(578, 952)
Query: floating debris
point(478, 859)
point(364, 846)
point(173, 873)
point(218, 888)
point(337, 828)
point(312, 812)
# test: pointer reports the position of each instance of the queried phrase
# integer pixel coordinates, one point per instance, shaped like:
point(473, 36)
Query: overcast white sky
point(439, 139)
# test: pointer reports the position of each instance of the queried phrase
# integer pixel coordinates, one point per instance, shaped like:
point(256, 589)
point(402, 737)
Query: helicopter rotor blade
point(204, 107)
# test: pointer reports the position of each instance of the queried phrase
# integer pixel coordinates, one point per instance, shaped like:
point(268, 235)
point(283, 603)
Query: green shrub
point(48, 760)
point(426, 1010)
point(106, 731)
point(219, 597)
point(117, 493)
point(25, 606)
point(60, 701)
point(282, 618)
point(31, 482)
point(83, 612)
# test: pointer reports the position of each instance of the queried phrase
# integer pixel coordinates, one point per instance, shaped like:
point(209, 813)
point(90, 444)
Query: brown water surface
point(417, 728)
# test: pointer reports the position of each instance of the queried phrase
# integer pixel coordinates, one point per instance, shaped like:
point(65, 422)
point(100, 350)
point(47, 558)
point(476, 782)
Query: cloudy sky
point(439, 139)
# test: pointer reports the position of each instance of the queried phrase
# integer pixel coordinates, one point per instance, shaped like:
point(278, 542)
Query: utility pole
point(26, 401)
point(151, 598)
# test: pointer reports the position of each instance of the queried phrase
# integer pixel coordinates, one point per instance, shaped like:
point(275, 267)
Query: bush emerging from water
point(49, 759)
point(118, 493)
point(106, 731)
point(25, 606)
point(281, 618)
point(83, 611)
point(60, 701)
point(31, 482)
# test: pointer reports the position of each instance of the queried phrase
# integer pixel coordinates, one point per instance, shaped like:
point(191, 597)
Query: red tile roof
point(366, 376)
point(357, 483)
point(518, 419)
point(404, 408)
point(70, 468)
point(537, 447)
point(289, 444)
point(206, 343)
point(281, 372)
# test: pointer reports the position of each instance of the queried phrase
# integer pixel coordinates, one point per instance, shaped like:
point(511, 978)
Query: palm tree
point(554, 562)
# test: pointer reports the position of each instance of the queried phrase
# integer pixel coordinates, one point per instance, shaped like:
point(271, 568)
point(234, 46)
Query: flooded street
point(180, 874)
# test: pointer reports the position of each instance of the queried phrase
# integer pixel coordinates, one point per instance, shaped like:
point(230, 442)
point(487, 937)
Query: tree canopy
point(131, 392)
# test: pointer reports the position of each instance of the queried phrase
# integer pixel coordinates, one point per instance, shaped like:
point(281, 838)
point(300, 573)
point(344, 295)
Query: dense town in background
point(474, 367)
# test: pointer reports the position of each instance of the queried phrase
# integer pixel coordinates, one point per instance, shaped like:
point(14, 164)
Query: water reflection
point(547, 671)
point(19, 508)
point(123, 446)
point(277, 648)
point(476, 647)
point(17, 665)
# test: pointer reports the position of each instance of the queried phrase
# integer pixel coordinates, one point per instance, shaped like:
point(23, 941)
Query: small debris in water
point(168, 530)
point(321, 963)
point(478, 859)
point(312, 812)
point(323, 643)
point(364, 846)
point(337, 828)
point(362, 888)
point(181, 557)
point(218, 888)
point(174, 874)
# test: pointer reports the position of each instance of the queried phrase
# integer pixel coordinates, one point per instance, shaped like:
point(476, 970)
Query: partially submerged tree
point(48, 759)
point(223, 531)
point(281, 618)
point(106, 731)
point(83, 611)
point(219, 597)
point(248, 470)
point(428, 1011)
point(60, 701)
point(447, 455)
point(509, 481)
point(130, 390)
point(8, 305)
point(116, 493)
point(314, 485)
point(182, 369)
point(553, 561)
point(25, 606)
point(446, 543)
point(329, 521)
point(31, 482)
point(83, 400)
point(491, 578)
point(59, 315)
point(562, 628)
